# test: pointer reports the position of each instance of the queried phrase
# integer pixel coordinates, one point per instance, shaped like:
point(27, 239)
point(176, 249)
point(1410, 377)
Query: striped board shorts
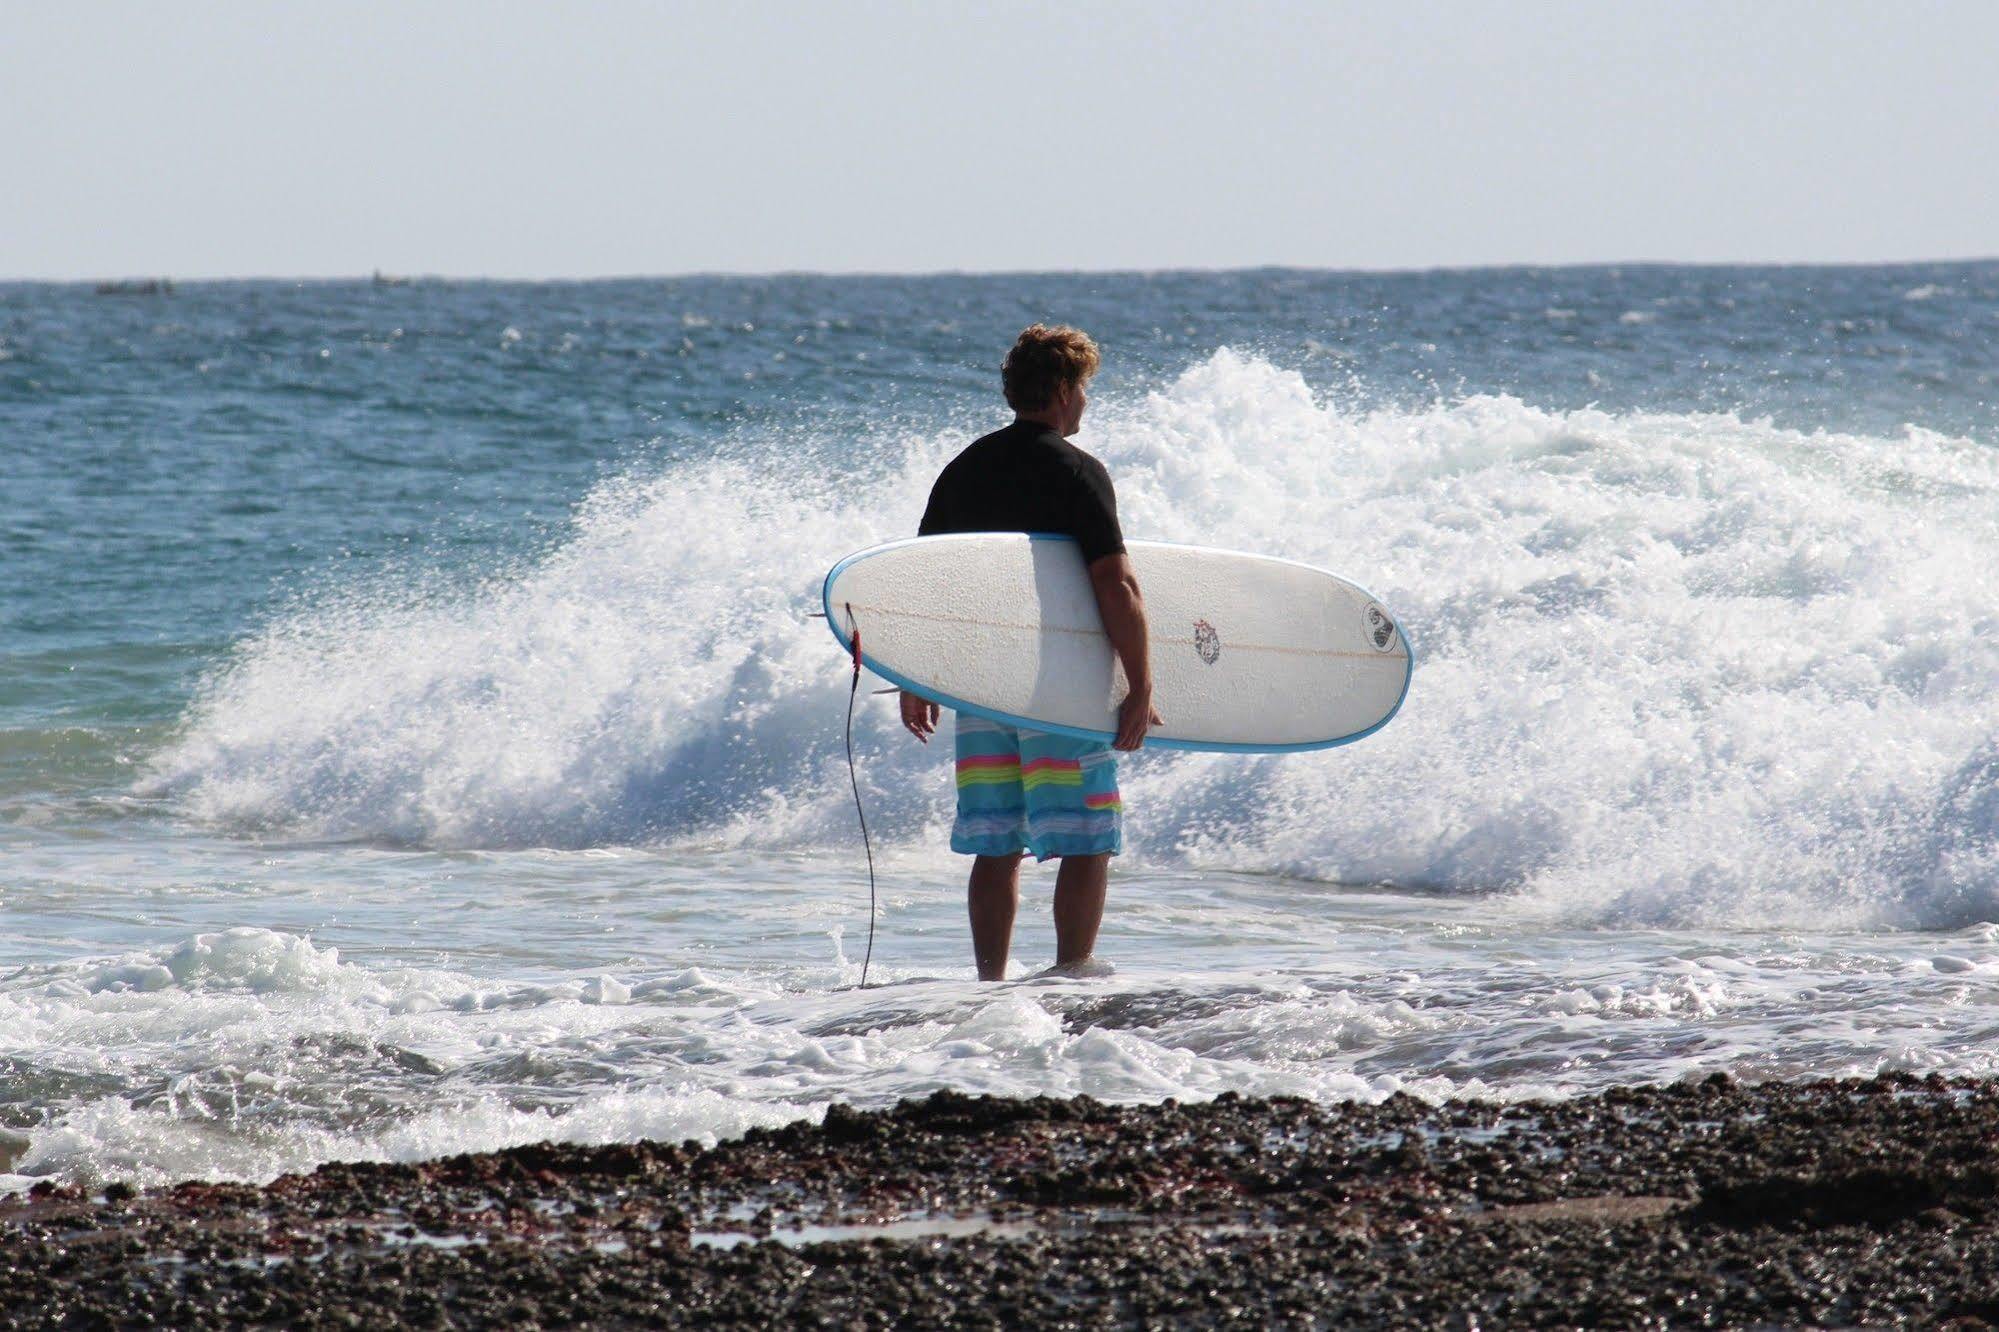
point(1050, 794)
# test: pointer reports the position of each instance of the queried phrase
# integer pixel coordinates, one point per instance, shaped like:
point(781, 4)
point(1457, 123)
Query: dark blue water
point(173, 463)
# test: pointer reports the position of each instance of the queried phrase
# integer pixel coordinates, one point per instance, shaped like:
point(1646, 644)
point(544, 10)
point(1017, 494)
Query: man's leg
point(1075, 815)
point(1080, 886)
point(993, 897)
point(991, 827)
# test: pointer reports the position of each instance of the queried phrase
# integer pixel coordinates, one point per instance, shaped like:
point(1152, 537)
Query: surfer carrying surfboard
point(1021, 790)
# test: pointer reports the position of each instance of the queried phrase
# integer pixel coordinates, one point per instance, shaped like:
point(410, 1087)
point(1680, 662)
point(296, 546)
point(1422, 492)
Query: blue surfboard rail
point(1078, 732)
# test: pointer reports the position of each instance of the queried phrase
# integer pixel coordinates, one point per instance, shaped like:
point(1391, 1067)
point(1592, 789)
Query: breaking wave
point(1672, 668)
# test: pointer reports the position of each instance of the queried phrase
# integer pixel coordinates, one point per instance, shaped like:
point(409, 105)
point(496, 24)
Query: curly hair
point(1044, 360)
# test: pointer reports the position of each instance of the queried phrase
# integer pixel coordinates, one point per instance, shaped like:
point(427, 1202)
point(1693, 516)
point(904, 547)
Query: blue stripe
point(1096, 821)
point(982, 823)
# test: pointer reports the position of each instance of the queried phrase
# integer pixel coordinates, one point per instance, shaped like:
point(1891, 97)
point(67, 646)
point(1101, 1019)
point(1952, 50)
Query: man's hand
point(1135, 716)
point(919, 715)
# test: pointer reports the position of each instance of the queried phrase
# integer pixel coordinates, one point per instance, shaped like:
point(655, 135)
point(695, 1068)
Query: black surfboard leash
point(853, 777)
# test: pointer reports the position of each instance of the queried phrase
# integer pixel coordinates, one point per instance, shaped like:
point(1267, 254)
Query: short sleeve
point(1095, 524)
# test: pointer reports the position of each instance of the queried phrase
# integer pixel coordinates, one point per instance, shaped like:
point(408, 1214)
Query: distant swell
point(1672, 669)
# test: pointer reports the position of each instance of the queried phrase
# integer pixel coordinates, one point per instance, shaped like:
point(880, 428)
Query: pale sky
point(594, 139)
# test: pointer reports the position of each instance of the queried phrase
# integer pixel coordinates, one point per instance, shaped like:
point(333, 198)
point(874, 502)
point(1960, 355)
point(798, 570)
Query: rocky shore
point(1828, 1204)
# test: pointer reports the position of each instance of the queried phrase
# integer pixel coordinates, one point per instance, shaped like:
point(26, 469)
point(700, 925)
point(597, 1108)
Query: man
point(1022, 790)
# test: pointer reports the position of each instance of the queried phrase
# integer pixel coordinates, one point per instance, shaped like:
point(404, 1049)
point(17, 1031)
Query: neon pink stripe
point(1101, 801)
point(1060, 765)
point(987, 761)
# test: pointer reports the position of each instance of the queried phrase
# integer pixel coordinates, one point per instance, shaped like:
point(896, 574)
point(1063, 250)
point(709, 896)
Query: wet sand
point(1831, 1204)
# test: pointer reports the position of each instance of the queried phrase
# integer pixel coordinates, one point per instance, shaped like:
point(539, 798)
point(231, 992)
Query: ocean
point(414, 738)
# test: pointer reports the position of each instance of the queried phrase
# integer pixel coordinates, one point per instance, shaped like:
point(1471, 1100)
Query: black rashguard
point(1027, 478)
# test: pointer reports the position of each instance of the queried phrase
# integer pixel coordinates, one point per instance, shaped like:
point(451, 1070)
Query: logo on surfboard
point(1207, 642)
point(1380, 629)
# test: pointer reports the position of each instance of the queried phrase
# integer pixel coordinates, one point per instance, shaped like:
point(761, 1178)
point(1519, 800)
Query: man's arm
point(1123, 610)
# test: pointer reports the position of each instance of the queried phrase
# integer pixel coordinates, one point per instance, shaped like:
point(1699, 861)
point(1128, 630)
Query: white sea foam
point(1686, 669)
point(250, 1052)
point(262, 1052)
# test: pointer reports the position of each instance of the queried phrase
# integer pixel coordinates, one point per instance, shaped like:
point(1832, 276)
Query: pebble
point(1715, 1203)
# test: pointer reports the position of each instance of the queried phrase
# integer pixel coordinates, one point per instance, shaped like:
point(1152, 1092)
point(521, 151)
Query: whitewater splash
point(244, 1053)
point(1684, 669)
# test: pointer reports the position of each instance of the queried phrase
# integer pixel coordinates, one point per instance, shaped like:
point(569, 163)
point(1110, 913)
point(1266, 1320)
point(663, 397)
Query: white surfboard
point(1248, 652)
